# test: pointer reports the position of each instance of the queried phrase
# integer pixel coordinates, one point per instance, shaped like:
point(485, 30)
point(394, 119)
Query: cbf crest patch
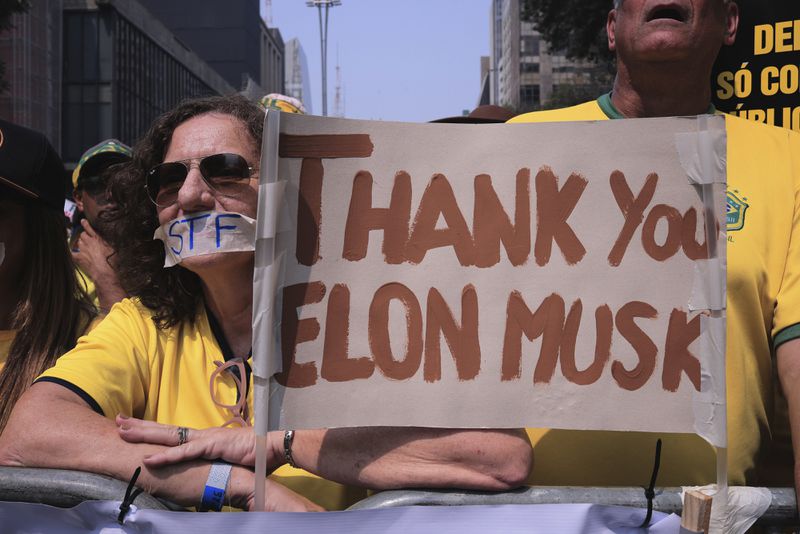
point(736, 210)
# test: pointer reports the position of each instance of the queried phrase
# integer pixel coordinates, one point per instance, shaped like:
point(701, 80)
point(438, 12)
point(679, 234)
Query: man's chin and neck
point(662, 85)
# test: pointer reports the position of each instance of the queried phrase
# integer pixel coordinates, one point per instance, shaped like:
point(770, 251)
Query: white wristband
point(217, 483)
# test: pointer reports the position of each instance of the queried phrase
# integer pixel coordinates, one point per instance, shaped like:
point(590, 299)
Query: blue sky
point(404, 60)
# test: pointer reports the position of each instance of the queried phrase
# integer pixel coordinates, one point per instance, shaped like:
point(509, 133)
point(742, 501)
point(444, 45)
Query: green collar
point(604, 101)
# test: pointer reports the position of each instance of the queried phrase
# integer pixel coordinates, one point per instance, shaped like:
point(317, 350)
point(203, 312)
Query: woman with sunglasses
point(178, 353)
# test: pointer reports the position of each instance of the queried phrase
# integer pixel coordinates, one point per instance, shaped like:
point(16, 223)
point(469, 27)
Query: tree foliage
point(578, 29)
point(576, 26)
point(8, 8)
point(566, 95)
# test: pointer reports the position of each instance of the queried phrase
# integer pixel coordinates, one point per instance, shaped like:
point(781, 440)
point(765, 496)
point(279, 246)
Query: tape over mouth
point(204, 233)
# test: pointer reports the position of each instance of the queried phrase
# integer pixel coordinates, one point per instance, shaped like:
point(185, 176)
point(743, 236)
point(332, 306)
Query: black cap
point(30, 166)
point(99, 158)
point(487, 113)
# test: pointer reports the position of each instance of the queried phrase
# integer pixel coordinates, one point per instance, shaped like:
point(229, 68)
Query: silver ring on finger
point(183, 435)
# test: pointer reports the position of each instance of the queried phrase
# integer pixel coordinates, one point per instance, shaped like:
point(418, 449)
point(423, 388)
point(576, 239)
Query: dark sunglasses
point(223, 173)
point(94, 185)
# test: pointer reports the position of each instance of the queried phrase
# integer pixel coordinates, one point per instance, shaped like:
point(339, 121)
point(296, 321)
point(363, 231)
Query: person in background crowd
point(287, 104)
point(42, 307)
point(179, 353)
point(664, 57)
point(88, 242)
point(484, 114)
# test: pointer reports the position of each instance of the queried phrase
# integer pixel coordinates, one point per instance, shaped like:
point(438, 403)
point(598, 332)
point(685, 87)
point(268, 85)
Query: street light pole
point(323, 44)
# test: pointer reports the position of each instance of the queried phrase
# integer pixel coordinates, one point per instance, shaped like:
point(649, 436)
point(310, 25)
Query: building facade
point(121, 69)
point(485, 95)
point(232, 38)
point(495, 49)
point(298, 82)
point(526, 73)
point(273, 56)
point(31, 53)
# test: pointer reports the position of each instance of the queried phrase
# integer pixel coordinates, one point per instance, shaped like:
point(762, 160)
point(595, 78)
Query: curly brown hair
point(173, 294)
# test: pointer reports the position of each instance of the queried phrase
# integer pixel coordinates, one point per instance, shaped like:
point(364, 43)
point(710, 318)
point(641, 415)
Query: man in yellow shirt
point(88, 242)
point(664, 58)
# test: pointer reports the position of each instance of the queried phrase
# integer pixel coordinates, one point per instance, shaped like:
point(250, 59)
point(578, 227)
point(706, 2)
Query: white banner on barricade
point(100, 517)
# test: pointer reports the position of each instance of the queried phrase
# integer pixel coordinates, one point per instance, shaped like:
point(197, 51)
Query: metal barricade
point(65, 488)
point(781, 513)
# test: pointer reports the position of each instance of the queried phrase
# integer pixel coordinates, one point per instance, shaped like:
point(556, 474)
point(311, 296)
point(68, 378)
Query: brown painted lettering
point(313, 149)
point(439, 200)
point(379, 332)
point(677, 357)
point(632, 210)
point(602, 349)
point(547, 322)
point(492, 224)
point(325, 146)
point(337, 366)
point(553, 208)
point(672, 243)
point(645, 349)
point(362, 218)
point(294, 332)
point(309, 211)
point(463, 341)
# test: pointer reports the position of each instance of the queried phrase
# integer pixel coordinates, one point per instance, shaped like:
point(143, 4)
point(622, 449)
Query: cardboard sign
point(759, 76)
point(510, 275)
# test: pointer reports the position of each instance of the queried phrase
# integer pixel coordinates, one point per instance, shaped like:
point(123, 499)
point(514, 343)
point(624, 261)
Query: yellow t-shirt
point(763, 310)
point(6, 339)
point(127, 365)
point(87, 284)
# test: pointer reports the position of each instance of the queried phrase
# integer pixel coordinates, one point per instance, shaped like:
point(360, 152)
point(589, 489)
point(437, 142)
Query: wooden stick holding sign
point(696, 514)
